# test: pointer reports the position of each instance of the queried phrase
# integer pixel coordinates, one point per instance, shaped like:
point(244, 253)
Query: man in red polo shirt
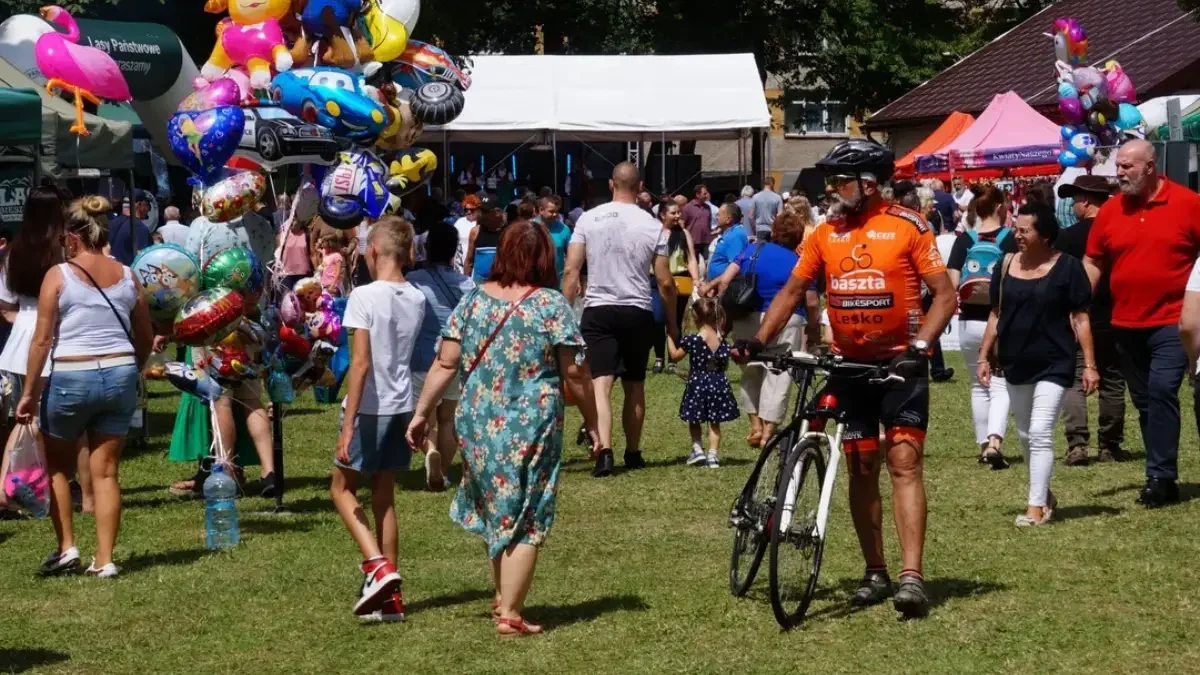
point(1147, 239)
point(697, 218)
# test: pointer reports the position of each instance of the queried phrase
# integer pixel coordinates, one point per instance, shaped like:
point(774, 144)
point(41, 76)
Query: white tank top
point(87, 326)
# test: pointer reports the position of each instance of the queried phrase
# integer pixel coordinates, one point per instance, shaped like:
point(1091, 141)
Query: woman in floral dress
point(515, 342)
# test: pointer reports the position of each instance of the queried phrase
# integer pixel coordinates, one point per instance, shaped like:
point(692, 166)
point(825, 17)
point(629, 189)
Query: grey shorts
point(379, 444)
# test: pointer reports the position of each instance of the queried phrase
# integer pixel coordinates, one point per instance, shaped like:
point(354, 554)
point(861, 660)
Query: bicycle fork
point(834, 442)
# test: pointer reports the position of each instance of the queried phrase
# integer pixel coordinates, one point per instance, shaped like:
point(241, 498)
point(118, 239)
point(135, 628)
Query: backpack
point(974, 286)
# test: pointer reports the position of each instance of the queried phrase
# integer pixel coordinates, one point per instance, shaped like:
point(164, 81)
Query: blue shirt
point(443, 288)
point(118, 238)
point(729, 246)
point(560, 236)
point(945, 205)
point(773, 269)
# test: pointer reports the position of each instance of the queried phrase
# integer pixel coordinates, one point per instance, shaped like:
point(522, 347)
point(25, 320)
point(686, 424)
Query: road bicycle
point(784, 506)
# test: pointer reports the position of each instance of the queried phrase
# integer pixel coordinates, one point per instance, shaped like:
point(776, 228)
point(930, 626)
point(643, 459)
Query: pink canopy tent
point(1009, 133)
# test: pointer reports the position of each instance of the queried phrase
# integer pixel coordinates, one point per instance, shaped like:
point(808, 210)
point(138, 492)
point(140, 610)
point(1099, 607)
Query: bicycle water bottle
point(220, 510)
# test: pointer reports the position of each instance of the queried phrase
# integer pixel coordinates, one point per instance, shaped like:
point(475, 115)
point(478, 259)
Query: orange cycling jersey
point(873, 266)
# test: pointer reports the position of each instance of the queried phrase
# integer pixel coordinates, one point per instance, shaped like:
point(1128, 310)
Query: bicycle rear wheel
point(796, 548)
point(751, 515)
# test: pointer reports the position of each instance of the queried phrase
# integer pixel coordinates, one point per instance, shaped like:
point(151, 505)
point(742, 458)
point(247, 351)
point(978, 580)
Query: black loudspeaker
point(682, 174)
point(1174, 159)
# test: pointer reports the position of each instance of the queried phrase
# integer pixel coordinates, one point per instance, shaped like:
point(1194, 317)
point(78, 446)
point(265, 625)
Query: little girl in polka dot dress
point(708, 397)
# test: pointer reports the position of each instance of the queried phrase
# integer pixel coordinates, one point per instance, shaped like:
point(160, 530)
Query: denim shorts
point(99, 401)
point(379, 444)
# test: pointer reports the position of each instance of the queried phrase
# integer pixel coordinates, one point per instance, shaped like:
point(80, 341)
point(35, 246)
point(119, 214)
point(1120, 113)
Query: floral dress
point(510, 418)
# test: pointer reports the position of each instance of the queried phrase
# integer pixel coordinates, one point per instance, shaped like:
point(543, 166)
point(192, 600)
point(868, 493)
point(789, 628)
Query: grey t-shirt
point(767, 204)
point(621, 241)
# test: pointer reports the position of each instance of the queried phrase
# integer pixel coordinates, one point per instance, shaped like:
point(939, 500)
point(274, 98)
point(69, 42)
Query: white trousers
point(989, 405)
point(1035, 410)
point(761, 392)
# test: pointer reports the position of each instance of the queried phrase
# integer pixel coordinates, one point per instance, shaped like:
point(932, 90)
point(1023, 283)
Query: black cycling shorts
point(901, 408)
point(619, 340)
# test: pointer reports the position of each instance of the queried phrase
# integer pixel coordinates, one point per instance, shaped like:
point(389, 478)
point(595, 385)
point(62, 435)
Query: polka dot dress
point(708, 397)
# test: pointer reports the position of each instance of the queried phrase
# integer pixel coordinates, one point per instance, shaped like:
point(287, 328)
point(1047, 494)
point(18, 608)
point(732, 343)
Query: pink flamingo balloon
point(87, 72)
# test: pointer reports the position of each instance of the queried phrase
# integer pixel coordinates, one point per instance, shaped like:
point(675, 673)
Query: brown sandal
point(754, 440)
point(511, 628)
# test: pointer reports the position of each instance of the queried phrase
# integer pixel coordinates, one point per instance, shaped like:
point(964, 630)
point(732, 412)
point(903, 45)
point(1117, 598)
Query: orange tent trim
point(956, 123)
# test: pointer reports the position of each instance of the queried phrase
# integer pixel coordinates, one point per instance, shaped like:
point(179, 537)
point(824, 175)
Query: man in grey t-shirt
point(764, 207)
point(621, 244)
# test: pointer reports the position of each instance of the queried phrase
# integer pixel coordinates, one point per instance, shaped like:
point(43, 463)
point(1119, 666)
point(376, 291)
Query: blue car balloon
point(333, 98)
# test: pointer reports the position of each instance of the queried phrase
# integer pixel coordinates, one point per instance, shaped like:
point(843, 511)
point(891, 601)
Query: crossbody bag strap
point(437, 278)
point(104, 295)
point(1004, 265)
point(488, 342)
point(754, 258)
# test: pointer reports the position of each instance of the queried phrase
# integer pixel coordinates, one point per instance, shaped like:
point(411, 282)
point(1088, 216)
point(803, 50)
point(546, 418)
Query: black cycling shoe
point(604, 464)
point(911, 600)
point(874, 588)
point(942, 376)
point(634, 460)
point(1159, 492)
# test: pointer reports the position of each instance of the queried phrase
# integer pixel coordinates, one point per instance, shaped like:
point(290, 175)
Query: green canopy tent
point(21, 110)
point(110, 145)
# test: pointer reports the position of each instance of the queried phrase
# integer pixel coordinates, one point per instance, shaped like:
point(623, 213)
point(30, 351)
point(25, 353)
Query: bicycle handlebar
point(784, 361)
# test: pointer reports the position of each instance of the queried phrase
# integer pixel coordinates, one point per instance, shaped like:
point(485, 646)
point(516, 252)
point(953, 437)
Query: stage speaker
point(682, 174)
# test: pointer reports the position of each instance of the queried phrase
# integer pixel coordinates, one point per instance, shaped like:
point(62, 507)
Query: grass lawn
point(633, 577)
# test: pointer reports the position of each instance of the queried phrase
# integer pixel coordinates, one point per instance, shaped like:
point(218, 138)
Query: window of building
point(814, 117)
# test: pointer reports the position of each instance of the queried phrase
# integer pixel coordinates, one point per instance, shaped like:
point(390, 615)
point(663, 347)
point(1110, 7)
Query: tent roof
point(610, 98)
point(953, 126)
point(109, 147)
point(21, 109)
point(1008, 133)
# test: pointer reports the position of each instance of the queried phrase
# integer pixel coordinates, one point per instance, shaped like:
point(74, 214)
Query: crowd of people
point(474, 321)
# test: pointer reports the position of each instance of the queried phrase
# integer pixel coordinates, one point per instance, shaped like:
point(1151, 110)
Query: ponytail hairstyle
point(709, 313)
point(87, 217)
point(988, 203)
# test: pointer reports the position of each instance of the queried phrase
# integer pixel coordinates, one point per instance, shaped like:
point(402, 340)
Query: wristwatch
point(920, 345)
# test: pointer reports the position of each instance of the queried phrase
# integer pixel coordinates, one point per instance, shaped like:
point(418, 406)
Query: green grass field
point(633, 578)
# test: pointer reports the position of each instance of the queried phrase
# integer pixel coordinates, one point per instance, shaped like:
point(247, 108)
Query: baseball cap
point(488, 203)
point(1086, 184)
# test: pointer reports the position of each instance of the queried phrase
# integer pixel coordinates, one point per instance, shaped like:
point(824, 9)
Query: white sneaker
point(697, 457)
point(711, 461)
point(57, 563)
point(434, 482)
point(106, 572)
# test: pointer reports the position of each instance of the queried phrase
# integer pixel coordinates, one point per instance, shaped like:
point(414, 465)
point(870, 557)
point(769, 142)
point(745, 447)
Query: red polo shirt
point(1150, 250)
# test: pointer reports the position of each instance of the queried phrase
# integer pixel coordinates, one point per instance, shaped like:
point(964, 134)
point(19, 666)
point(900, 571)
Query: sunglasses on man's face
point(471, 210)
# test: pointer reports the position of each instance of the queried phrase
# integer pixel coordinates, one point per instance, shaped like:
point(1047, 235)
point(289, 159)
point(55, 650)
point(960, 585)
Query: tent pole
point(554, 149)
point(446, 163)
point(662, 152)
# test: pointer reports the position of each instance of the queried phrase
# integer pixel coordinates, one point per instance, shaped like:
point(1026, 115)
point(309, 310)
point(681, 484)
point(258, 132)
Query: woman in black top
point(972, 260)
point(1040, 299)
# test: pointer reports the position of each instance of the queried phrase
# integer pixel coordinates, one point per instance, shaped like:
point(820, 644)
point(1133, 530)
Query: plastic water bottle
point(24, 495)
point(220, 510)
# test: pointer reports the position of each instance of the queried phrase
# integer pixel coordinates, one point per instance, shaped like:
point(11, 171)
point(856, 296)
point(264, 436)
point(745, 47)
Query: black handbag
point(741, 298)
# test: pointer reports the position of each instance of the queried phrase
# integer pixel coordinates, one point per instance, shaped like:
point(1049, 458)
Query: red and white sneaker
point(392, 610)
point(380, 581)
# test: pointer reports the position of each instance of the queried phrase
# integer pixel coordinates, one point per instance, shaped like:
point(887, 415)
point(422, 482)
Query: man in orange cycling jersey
point(874, 257)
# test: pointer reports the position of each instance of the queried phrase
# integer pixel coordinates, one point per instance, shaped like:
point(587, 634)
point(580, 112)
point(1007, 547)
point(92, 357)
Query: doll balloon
point(1120, 87)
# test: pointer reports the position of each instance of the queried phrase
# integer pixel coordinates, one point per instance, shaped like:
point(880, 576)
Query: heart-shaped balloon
point(221, 92)
point(203, 141)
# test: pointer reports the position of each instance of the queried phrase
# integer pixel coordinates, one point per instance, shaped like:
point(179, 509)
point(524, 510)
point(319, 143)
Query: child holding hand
point(708, 398)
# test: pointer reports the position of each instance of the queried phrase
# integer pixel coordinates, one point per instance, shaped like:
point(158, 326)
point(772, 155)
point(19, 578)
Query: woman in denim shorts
point(94, 329)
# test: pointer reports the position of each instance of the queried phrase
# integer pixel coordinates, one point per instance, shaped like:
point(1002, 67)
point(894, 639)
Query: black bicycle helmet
point(857, 156)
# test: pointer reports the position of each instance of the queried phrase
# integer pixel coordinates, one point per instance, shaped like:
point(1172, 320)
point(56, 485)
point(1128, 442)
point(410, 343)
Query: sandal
point(495, 611)
point(511, 628)
point(754, 440)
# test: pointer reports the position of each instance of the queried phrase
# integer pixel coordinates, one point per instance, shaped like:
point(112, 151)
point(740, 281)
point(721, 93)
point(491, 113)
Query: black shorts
point(618, 340)
point(901, 408)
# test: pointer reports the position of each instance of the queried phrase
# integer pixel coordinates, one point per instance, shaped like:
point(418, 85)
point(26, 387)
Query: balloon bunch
point(303, 330)
point(1097, 104)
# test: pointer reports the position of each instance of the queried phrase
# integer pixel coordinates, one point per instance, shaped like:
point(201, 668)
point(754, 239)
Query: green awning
point(118, 112)
point(21, 110)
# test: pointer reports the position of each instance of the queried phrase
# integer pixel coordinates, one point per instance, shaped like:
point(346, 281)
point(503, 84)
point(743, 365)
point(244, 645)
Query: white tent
point(611, 98)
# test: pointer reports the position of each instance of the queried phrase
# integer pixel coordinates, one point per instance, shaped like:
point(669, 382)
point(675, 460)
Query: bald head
point(1137, 170)
point(625, 181)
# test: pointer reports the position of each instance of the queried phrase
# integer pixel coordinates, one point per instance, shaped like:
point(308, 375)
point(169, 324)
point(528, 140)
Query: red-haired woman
point(515, 342)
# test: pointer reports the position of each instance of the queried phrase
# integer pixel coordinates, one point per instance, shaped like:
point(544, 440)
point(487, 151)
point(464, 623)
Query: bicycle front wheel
point(796, 546)
point(751, 515)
